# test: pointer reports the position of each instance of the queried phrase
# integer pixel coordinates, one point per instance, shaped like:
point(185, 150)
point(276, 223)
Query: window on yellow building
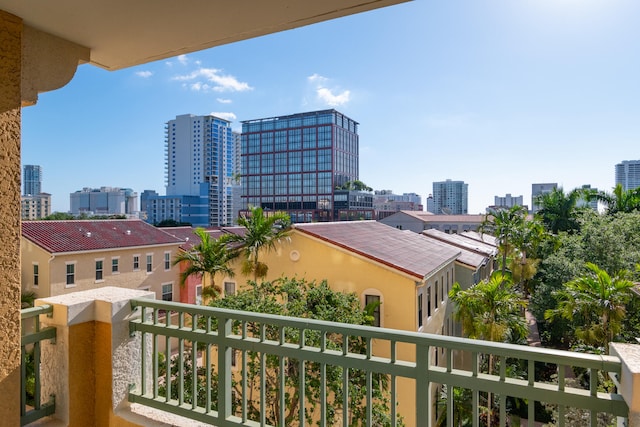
point(369, 299)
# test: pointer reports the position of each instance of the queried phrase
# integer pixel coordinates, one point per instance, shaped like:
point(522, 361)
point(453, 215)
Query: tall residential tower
point(294, 163)
point(450, 197)
point(628, 174)
point(31, 180)
point(199, 166)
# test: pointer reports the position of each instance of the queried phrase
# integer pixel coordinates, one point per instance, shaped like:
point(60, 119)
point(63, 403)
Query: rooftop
point(87, 235)
point(405, 251)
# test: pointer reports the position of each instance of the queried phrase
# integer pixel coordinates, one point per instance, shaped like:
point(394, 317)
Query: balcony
point(109, 362)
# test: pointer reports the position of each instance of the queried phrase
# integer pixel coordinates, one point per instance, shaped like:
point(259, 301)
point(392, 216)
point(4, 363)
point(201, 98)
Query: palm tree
point(207, 259)
point(490, 310)
point(262, 232)
point(507, 225)
point(620, 200)
point(597, 301)
point(558, 212)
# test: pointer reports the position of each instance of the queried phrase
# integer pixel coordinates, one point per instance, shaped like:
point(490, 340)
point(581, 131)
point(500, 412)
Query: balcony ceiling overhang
point(124, 33)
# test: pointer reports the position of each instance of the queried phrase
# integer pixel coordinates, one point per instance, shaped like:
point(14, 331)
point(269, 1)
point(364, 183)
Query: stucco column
point(94, 359)
point(629, 354)
point(10, 100)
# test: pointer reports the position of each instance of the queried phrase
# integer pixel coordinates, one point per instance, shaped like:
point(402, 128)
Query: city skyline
point(499, 95)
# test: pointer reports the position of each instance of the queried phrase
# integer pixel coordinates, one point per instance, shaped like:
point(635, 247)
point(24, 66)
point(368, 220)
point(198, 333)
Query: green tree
point(596, 302)
point(262, 233)
point(508, 226)
point(355, 185)
point(558, 210)
point(59, 216)
point(620, 200)
point(491, 310)
point(207, 259)
point(298, 298)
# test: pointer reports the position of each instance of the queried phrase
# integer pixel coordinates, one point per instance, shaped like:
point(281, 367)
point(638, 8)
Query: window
point(114, 265)
point(369, 299)
point(229, 288)
point(71, 274)
point(35, 274)
point(435, 289)
point(167, 292)
point(99, 269)
point(419, 310)
point(429, 301)
point(136, 262)
point(442, 288)
point(199, 294)
point(167, 260)
point(149, 263)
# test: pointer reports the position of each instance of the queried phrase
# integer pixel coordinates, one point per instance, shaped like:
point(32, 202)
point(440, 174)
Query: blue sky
point(499, 94)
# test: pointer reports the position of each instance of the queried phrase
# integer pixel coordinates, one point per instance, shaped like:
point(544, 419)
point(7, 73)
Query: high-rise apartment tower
point(31, 180)
point(294, 163)
point(628, 174)
point(199, 153)
point(450, 197)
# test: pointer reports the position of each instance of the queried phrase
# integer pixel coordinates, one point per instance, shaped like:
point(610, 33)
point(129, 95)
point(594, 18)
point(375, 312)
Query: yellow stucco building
point(60, 257)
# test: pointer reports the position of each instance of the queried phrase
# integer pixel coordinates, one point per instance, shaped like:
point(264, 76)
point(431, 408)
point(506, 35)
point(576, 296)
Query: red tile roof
point(403, 250)
point(79, 236)
point(189, 237)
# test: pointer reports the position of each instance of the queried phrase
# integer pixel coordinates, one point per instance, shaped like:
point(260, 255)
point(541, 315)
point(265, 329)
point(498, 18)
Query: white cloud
point(183, 59)
point(219, 82)
point(332, 97)
point(227, 116)
point(144, 74)
point(224, 101)
point(316, 78)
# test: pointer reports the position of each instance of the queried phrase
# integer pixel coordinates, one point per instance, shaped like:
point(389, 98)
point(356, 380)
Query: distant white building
point(582, 202)
point(539, 189)
point(386, 203)
point(450, 197)
point(628, 174)
point(104, 201)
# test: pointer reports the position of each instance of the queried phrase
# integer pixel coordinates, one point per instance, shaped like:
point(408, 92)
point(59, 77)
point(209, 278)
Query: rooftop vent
point(88, 234)
point(128, 232)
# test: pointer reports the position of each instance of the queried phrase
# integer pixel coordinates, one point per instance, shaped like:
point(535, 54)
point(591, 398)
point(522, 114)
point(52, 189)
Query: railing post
point(224, 369)
point(629, 355)
point(95, 359)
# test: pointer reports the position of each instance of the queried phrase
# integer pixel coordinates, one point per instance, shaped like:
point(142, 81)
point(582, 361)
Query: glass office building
point(294, 163)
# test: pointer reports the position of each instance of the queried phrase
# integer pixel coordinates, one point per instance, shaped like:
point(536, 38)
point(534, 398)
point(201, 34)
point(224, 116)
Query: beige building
point(35, 206)
point(60, 257)
point(418, 221)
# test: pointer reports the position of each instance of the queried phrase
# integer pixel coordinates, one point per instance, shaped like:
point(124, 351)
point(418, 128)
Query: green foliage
point(262, 233)
point(595, 304)
point(491, 310)
point(355, 185)
point(620, 200)
point(298, 298)
point(208, 258)
point(59, 216)
point(558, 210)
point(172, 223)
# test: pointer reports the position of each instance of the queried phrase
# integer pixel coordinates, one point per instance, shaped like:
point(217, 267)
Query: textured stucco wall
point(10, 72)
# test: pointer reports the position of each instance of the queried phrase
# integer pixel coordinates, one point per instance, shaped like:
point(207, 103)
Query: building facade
point(36, 206)
point(450, 197)
point(294, 163)
point(192, 210)
point(104, 201)
point(538, 190)
point(628, 174)
point(386, 203)
point(199, 150)
point(60, 257)
point(31, 180)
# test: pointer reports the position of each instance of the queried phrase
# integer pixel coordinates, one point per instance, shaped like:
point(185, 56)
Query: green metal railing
point(31, 406)
point(448, 375)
